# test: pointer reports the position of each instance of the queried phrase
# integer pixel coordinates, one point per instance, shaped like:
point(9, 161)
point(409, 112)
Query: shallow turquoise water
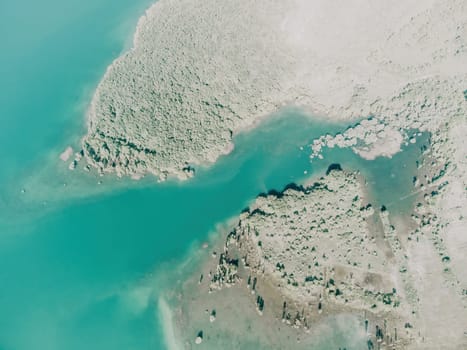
point(52, 55)
point(80, 272)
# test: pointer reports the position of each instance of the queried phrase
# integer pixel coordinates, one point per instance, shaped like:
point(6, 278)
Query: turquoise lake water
point(79, 263)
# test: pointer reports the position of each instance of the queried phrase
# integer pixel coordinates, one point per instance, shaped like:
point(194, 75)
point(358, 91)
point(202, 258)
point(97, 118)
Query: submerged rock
point(199, 338)
point(213, 316)
point(333, 167)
